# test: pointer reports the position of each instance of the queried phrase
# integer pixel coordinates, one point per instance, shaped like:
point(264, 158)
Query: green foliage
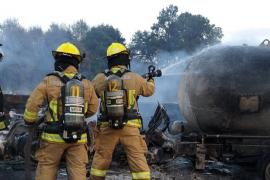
point(174, 32)
point(142, 46)
point(96, 42)
point(79, 30)
point(57, 34)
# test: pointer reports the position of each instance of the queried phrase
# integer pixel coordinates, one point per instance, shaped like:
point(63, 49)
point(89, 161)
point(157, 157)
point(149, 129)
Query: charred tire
point(264, 167)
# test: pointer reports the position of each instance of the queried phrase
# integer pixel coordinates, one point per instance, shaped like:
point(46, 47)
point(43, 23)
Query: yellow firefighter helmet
point(116, 48)
point(68, 49)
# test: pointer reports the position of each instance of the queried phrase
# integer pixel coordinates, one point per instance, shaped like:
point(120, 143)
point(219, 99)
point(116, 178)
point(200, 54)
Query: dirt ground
point(15, 170)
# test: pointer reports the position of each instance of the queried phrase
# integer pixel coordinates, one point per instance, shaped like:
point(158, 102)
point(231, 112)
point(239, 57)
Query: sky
point(242, 21)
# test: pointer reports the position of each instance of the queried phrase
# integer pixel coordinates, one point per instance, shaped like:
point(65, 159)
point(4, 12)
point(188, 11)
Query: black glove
point(150, 79)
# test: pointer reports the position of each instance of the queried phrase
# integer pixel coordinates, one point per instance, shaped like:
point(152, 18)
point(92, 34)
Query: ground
point(15, 170)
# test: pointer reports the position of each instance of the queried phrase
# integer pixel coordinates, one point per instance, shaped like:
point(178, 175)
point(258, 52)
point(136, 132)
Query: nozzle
point(157, 73)
point(152, 72)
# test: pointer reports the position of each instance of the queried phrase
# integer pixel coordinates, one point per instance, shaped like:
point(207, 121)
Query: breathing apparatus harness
point(115, 101)
point(70, 125)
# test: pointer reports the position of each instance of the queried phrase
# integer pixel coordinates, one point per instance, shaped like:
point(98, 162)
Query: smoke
point(172, 65)
point(27, 55)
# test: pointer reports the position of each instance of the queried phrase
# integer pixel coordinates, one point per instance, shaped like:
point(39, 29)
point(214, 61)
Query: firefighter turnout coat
point(129, 136)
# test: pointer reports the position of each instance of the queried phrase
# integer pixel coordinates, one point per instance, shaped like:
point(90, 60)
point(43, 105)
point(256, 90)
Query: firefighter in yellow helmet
point(71, 98)
point(119, 120)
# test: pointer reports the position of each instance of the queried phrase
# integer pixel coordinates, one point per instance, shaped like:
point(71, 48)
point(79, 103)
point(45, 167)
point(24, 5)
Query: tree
point(95, 43)
point(174, 32)
point(142, 46)
point(79, 30)
point(196, 31)
point(163, 29)
point(56, 34)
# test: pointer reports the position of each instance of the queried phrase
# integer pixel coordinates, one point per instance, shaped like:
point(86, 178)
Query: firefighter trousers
point(50, 154)
point(134, 146)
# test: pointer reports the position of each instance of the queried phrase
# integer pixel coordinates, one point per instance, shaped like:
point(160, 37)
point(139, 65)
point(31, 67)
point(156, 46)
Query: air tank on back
point(226, 90)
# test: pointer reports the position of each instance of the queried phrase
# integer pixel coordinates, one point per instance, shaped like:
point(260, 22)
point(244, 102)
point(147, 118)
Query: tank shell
point(226, 90)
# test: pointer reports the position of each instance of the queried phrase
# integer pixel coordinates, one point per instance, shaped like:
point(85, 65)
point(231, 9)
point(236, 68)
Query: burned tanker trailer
point(224, 97)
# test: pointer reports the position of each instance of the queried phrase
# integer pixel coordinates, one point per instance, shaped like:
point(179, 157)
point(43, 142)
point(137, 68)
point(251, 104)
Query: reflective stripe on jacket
point(2, 125)
point(49, 91)
point(57, 138)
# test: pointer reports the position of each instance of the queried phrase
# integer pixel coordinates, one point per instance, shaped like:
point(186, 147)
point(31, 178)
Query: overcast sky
point(242, 21)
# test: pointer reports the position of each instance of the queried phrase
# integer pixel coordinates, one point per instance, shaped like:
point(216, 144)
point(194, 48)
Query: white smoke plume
point(27, 55)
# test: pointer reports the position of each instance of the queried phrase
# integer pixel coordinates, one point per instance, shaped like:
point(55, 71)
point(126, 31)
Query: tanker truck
point(224, 97)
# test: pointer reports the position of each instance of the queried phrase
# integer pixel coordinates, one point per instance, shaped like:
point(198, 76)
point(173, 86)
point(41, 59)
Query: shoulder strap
point(64, 78)
point(107, 72)
point(60, 75)
point(79, 77)
point(119, 73)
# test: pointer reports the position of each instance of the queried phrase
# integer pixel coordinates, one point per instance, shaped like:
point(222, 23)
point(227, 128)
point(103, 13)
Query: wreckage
point(215, 126)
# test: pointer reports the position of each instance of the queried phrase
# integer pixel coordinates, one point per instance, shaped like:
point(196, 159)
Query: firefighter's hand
point(150, 79)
